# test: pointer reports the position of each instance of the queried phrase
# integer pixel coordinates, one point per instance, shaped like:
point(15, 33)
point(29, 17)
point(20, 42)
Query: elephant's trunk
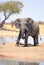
point(22, 31)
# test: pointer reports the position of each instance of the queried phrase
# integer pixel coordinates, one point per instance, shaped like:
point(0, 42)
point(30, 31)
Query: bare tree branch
point(1, 25)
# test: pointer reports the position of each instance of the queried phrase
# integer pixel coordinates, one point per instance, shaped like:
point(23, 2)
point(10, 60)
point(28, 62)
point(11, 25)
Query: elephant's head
point(23, 24)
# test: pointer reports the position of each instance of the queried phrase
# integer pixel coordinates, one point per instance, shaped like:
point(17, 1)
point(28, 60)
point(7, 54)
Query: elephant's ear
point(30, 20)
point(29, 23)
point(17, 23)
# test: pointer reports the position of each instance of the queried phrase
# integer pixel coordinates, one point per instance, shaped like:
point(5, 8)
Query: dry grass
point(8, 26)
point(41, 26)
point(13, 33)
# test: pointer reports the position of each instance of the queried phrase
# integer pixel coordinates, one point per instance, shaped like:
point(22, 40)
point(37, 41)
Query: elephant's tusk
point(26, 28)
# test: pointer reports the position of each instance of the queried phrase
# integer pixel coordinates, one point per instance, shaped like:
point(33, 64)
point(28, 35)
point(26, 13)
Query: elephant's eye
point(27, 21)
point(18, 20)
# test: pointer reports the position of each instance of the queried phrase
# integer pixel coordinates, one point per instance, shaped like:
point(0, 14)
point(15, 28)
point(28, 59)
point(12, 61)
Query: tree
point(9, 8)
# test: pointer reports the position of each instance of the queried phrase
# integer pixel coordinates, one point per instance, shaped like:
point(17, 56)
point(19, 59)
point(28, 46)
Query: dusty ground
point(31, 53)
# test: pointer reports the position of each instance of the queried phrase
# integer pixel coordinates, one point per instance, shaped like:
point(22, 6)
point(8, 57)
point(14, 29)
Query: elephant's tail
point(40, 38)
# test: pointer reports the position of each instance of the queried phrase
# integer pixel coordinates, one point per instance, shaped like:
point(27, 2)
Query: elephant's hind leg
point(35, 40)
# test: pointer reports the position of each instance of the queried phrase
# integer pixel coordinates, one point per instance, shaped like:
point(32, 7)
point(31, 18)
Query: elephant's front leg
point(26, 40)
point(19, 37)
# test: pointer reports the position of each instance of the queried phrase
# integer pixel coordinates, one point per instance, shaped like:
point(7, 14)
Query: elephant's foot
point(36, 45)
point(25, 45)
point(17, 44)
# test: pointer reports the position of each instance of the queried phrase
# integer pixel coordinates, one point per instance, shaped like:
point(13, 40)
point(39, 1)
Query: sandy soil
point(31, 53)
point(11, 51)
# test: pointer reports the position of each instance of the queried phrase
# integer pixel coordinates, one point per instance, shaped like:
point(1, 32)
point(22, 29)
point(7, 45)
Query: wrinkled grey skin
point(27, 28)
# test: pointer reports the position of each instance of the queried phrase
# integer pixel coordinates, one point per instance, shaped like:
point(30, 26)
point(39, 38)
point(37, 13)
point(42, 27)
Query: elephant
point(28, 27)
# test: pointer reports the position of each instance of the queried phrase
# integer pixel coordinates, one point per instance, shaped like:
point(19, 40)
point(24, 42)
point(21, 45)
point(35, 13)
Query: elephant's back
point(35, 25)
point(35, 28)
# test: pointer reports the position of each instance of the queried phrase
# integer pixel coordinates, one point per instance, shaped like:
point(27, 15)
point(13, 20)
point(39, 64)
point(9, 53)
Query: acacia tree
point(9, 8)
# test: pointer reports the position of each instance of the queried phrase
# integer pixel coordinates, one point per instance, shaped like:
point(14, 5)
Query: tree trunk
point(1, 25)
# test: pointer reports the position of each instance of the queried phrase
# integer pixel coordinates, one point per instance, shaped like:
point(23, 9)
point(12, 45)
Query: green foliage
point(11, 7)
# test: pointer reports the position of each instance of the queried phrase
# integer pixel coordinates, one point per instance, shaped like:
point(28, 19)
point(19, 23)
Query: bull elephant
point(27, 28)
